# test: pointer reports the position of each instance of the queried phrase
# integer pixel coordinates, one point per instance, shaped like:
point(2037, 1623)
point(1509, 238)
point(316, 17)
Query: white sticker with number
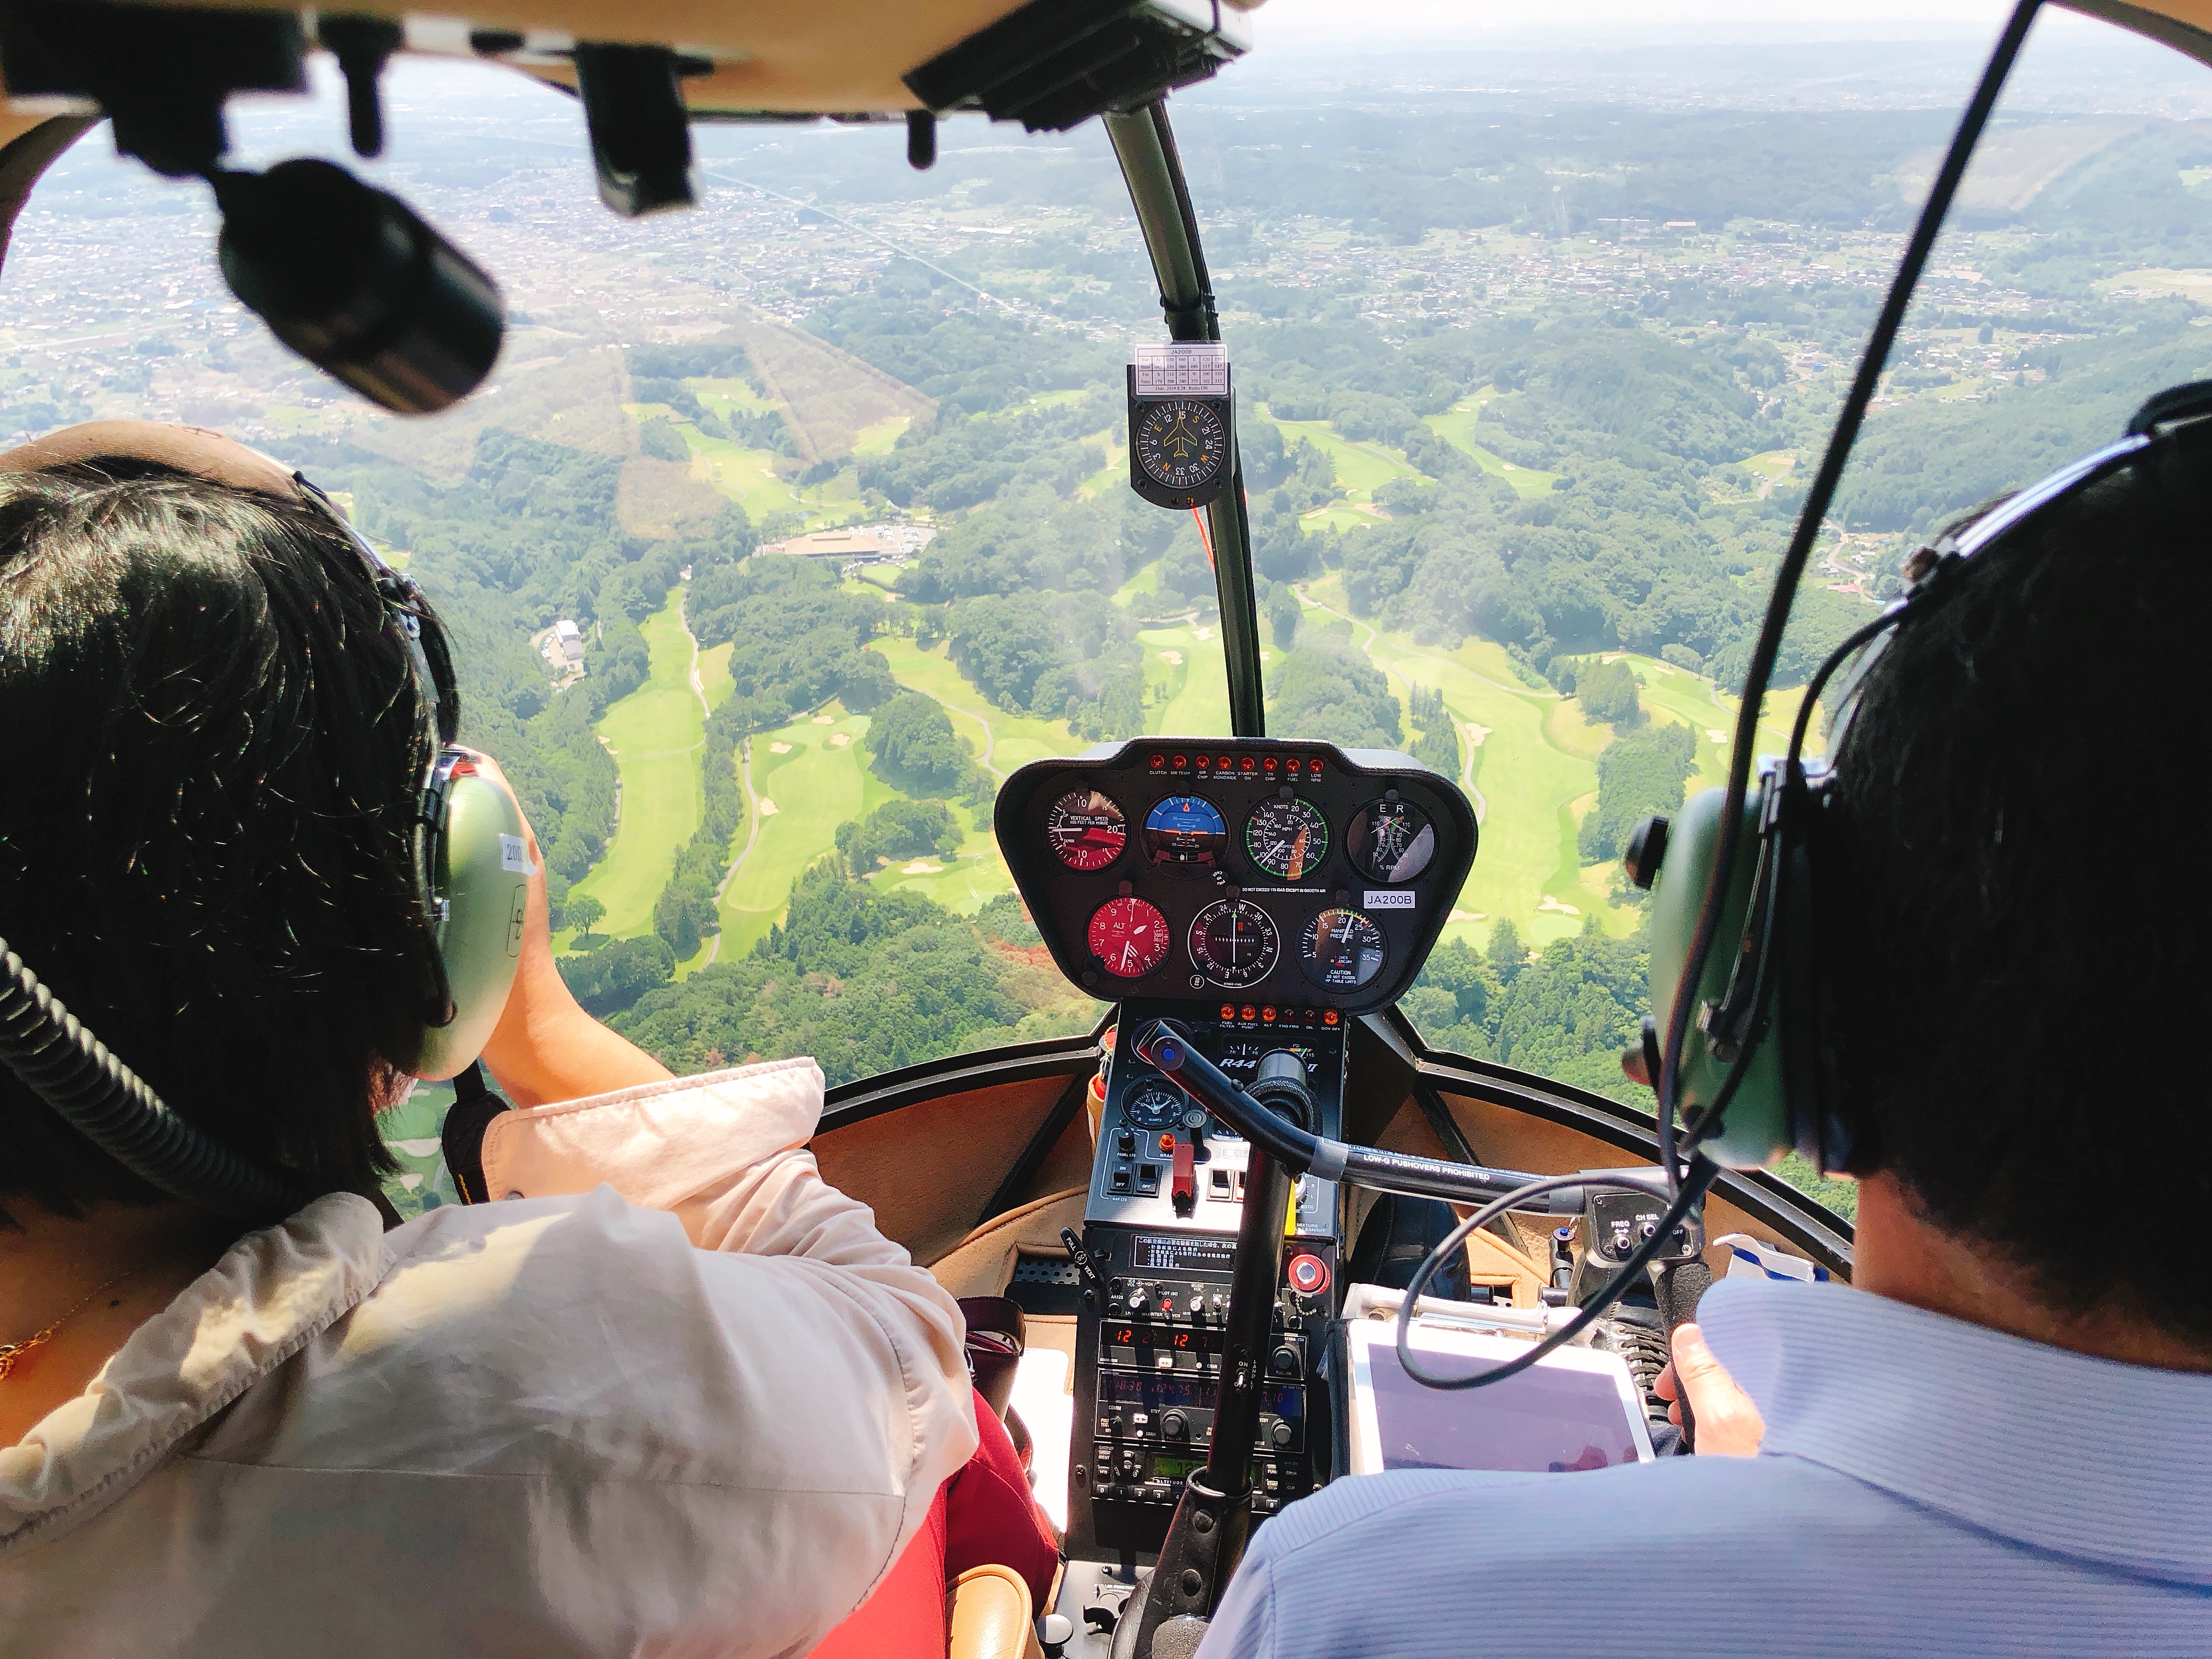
point(1401, 899)
point(515, 856)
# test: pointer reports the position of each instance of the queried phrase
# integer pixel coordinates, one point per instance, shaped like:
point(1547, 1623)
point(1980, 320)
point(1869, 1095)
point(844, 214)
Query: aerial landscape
point(829, 476)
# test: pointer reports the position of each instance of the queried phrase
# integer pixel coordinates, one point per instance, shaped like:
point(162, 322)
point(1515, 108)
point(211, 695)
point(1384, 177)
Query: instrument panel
point(1284, 870)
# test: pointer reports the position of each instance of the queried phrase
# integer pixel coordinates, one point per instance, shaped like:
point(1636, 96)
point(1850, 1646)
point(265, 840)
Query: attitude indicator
point(1287, 838)
point(1086, 829)
point(1129, 937)
point(1187, 830)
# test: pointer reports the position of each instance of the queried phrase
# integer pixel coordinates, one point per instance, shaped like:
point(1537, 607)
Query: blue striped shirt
point(1926, 1486)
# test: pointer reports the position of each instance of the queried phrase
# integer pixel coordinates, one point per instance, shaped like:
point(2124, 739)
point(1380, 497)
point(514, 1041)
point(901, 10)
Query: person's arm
point(546, 1048)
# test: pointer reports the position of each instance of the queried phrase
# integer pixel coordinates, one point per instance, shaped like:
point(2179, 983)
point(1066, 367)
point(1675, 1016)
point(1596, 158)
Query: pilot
point(674, 1395)
point(2000, 1440)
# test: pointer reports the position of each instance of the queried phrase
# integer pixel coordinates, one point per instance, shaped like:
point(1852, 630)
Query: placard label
point(1388, 899)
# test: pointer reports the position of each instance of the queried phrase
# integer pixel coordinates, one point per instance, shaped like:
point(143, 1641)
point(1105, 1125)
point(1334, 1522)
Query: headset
point(470, 851)
point(1748, 1083)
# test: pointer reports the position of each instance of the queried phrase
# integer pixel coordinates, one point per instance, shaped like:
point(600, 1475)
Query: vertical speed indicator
point(1086, 829)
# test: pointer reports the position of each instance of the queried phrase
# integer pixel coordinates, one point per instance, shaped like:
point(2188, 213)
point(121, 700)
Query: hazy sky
point(1341, 24)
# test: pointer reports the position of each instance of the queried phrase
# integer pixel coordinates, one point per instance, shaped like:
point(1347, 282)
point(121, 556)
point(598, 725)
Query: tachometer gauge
point(1086, 829)
point(1181, 443)
point(1341, 950)
point(1233, 942)
point(1153, 1106)
point(1129, 937)
point(1391, 840)
point(1187, 830)
point(1287, 838)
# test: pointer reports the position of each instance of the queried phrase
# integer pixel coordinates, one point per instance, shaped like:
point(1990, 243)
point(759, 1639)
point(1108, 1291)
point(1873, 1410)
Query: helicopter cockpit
point(1226, 1224)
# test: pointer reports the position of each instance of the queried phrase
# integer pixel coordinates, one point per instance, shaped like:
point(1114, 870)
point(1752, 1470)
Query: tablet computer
point(1576, 1408)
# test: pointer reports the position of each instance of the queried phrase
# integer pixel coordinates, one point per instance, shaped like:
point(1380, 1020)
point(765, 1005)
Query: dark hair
point(2018, 945)
point(215, 747)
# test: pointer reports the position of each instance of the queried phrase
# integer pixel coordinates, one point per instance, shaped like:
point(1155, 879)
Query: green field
point(1360, 467)
point(655, 735)
point(813, 787)
point(1455, 426)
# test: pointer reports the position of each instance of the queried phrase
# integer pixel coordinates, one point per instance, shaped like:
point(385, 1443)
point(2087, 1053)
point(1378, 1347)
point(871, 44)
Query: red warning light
point(1267, 1016)
point(1270, 762)
point(1314, 765)
point(1329, 1018)
point(1229, 1011)
point(1247, 764)
point(1201, 763)
point(1228, 763)
point(1182, 761)
point(1159, 761)
point(1248, 1012)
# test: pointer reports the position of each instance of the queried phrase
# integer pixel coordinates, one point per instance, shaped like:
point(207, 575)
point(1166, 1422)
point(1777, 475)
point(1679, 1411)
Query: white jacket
point(550, 1427)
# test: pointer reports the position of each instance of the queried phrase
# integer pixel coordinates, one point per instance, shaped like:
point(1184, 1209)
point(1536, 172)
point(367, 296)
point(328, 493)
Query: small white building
point(564, 646)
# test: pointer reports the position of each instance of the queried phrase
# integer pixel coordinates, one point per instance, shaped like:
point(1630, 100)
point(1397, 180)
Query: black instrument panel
point(1278, 869)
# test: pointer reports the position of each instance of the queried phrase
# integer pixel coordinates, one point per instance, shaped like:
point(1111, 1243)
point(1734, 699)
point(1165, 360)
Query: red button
point(1308, 1274)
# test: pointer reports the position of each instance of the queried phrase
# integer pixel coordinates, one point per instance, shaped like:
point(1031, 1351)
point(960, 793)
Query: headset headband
point(224, 460)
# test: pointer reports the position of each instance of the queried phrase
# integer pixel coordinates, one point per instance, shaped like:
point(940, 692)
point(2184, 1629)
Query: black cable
point(1690, 1190)
point(1822, 492)
point(109, 1105)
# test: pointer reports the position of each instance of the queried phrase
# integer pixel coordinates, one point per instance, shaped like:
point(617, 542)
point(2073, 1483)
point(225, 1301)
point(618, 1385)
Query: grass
point(1198, 702)
point(1360, 467)
point(883, 436)
point(1455, 426)
point(1002, 741)
point(655, 734)
point(816, 785)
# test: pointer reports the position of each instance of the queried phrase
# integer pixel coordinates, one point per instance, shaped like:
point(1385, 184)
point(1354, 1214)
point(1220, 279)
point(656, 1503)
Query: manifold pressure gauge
point(1181, 442)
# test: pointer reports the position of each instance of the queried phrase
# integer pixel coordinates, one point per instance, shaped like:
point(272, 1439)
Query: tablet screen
point(1551, 1418)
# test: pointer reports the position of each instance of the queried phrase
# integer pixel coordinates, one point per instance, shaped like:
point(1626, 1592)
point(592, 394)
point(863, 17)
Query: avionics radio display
point(1288, 873)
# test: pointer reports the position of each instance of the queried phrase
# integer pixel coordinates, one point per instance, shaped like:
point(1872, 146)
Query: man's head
point(215, 742)
point(2018, 945)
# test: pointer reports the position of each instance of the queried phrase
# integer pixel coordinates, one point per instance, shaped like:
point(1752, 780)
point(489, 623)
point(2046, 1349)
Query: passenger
point(680, 1397)
point(2000, 1442)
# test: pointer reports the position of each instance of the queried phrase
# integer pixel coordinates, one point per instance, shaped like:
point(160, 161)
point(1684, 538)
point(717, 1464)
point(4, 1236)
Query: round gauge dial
point(1233, 942)
point(1181, 444)
point(1129, 937)
point(1391, 840)
point(1086, 829)
point(1153, 1106)
point(1288, 839)
point(1187, 830)
point(1341, 950)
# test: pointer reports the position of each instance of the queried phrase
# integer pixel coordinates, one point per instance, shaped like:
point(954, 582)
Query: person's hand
point(545, 1046)
point(1728, 1423)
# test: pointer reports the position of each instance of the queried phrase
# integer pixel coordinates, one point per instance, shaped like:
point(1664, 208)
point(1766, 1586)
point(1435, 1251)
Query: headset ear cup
point(480, 891)
point(1832, 1129)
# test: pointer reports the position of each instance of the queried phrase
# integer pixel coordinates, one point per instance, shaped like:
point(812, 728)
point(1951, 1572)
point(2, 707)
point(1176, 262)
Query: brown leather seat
point(989, 1615)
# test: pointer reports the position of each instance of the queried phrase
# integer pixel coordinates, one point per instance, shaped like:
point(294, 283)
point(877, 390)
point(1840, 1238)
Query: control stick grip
point(1281, 1082)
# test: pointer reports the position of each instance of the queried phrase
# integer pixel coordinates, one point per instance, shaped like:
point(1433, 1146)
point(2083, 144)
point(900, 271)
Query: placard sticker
point(515, 856)
point(1386, 899)
point(1185, 369)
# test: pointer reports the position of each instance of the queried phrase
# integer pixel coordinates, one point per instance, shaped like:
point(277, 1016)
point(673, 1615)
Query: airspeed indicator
point(1287, 838)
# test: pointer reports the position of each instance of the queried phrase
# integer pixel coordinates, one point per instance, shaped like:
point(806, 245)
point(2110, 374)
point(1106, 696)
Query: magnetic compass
point(1183, 444)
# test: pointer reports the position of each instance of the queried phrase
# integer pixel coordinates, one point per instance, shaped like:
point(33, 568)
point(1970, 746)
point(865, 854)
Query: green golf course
point(656, 735)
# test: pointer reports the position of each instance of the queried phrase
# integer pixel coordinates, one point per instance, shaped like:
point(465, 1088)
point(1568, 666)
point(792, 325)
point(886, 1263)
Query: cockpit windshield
point(789, 528)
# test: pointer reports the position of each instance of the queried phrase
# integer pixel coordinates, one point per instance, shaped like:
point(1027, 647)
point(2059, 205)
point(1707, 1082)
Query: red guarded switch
point(1185, 1190)
point(1308, 1274)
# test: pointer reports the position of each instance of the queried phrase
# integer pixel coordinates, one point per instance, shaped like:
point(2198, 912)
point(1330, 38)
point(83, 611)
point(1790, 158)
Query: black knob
point(1175, 1426)
point(1647, 848)
point(1282, 1434)
point(1283, 1362)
